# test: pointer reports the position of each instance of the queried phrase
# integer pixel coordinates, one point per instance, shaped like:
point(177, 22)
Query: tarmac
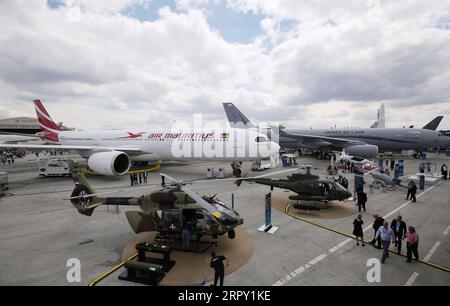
point(40, 231)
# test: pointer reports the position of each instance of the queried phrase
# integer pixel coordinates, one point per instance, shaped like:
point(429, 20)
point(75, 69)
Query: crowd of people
point(8, 157)
point(138, 178)
point(385, 235)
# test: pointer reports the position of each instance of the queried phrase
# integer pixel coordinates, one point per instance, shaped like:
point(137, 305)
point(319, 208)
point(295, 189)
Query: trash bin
point(285, 161)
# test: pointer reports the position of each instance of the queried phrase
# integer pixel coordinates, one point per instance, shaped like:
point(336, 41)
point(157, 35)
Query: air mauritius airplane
point(111, 152)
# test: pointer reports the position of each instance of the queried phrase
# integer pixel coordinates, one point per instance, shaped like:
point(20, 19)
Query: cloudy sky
point(131, 63)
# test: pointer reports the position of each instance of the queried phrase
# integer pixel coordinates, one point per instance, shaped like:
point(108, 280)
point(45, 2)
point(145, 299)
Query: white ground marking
point(412, 279)
point(431, 252)
point(319, 258)
point(447, 230)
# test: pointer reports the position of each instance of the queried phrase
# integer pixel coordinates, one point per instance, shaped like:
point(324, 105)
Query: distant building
point(23, 125)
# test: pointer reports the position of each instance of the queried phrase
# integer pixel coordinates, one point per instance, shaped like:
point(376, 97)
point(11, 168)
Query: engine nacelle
point(110, 163)
point(366, 151)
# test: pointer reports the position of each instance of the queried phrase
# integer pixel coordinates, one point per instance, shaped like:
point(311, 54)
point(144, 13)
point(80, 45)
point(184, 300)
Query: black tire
point(231, 234)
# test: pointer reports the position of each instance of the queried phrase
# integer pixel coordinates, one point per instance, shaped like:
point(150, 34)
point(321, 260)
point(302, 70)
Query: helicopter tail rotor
point(83, 196)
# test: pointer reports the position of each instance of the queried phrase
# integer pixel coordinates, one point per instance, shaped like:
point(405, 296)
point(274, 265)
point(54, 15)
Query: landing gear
point(231, 234)
point(237, 172)
point(321, 155)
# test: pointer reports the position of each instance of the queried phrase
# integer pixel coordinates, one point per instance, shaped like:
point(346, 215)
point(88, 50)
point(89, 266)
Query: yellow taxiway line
point(111, 271)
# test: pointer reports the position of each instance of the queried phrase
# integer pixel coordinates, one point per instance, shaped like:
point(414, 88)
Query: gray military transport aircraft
point(356, 142)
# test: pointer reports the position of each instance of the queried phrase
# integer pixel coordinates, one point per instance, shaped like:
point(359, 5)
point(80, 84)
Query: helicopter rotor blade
point(208, 206)
point(241, 178)
point(147, 187)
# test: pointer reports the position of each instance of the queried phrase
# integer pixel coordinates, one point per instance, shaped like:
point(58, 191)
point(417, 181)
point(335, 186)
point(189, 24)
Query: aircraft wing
point(5, 139)
point(35, 148)
point(8, 137)
point(322, 140)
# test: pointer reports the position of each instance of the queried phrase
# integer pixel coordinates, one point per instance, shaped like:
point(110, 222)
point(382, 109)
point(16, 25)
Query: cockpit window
point(261, 139)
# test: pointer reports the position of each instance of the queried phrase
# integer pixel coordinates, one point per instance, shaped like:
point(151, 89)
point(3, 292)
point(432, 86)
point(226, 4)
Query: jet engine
point(366, 151)
point(110, 163)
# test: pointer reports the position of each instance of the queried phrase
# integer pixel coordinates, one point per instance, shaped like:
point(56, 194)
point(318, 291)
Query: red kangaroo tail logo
point(133, 136)
point(48, 126)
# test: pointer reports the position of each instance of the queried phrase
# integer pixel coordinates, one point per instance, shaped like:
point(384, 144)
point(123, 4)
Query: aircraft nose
point(274, 148)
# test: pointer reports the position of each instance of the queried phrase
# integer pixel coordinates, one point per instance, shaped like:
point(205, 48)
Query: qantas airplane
point(111, 152)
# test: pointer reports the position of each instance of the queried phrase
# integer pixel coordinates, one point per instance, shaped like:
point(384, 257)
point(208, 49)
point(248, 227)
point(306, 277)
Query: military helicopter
point(308, 187)
point(165, 210)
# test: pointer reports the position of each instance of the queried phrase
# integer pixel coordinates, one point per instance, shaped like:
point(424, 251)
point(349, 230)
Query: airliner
point(111, 152)
point(364, 143)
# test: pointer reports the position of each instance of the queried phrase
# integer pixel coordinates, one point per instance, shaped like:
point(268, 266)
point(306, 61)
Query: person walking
point(362, 200)
point(135, 178)
point(131, 180)
point(145, 175)
point(413, 189)
point(387, 237)
point(219, 268)
point(399, 228)
point(412, 244)
point(409, 190)
point(358, 230)
point(377, 223)
point(422, 168)
point(444, 171)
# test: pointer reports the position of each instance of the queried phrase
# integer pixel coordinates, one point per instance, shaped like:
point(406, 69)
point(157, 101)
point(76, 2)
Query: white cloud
point(333, 65)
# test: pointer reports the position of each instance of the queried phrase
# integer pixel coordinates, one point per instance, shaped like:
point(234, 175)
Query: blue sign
point(422, 182)
point(268, 209)
point(397, 171)
point(401, 167)
point(359, 182)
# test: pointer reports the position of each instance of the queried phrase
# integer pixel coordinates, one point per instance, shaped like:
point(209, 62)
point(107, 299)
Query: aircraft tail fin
point(235, 117)
point(433, 124)
point(83, 196)
point(49, 128)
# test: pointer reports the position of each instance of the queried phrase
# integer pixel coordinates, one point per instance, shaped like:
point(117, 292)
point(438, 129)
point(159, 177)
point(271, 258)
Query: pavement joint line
point(350, 238)
point(412, 279)
point(431, 252)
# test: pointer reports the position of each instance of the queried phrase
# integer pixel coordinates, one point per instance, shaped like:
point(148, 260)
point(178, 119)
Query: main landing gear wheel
point(231, 234)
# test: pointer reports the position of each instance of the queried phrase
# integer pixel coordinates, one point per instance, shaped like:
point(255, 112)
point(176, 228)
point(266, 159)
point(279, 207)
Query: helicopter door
point(333, 191)
point(172, 220)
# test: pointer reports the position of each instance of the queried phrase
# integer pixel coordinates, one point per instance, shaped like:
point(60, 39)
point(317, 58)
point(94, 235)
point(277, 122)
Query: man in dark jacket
point(399, 228)
point(377, 223)
point(412, 189)
point(362, 200)
point(219, 268)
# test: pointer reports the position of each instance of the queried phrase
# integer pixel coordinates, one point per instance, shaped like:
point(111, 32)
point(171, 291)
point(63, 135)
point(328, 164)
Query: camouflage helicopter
point(308, 187)
point(165, 210)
